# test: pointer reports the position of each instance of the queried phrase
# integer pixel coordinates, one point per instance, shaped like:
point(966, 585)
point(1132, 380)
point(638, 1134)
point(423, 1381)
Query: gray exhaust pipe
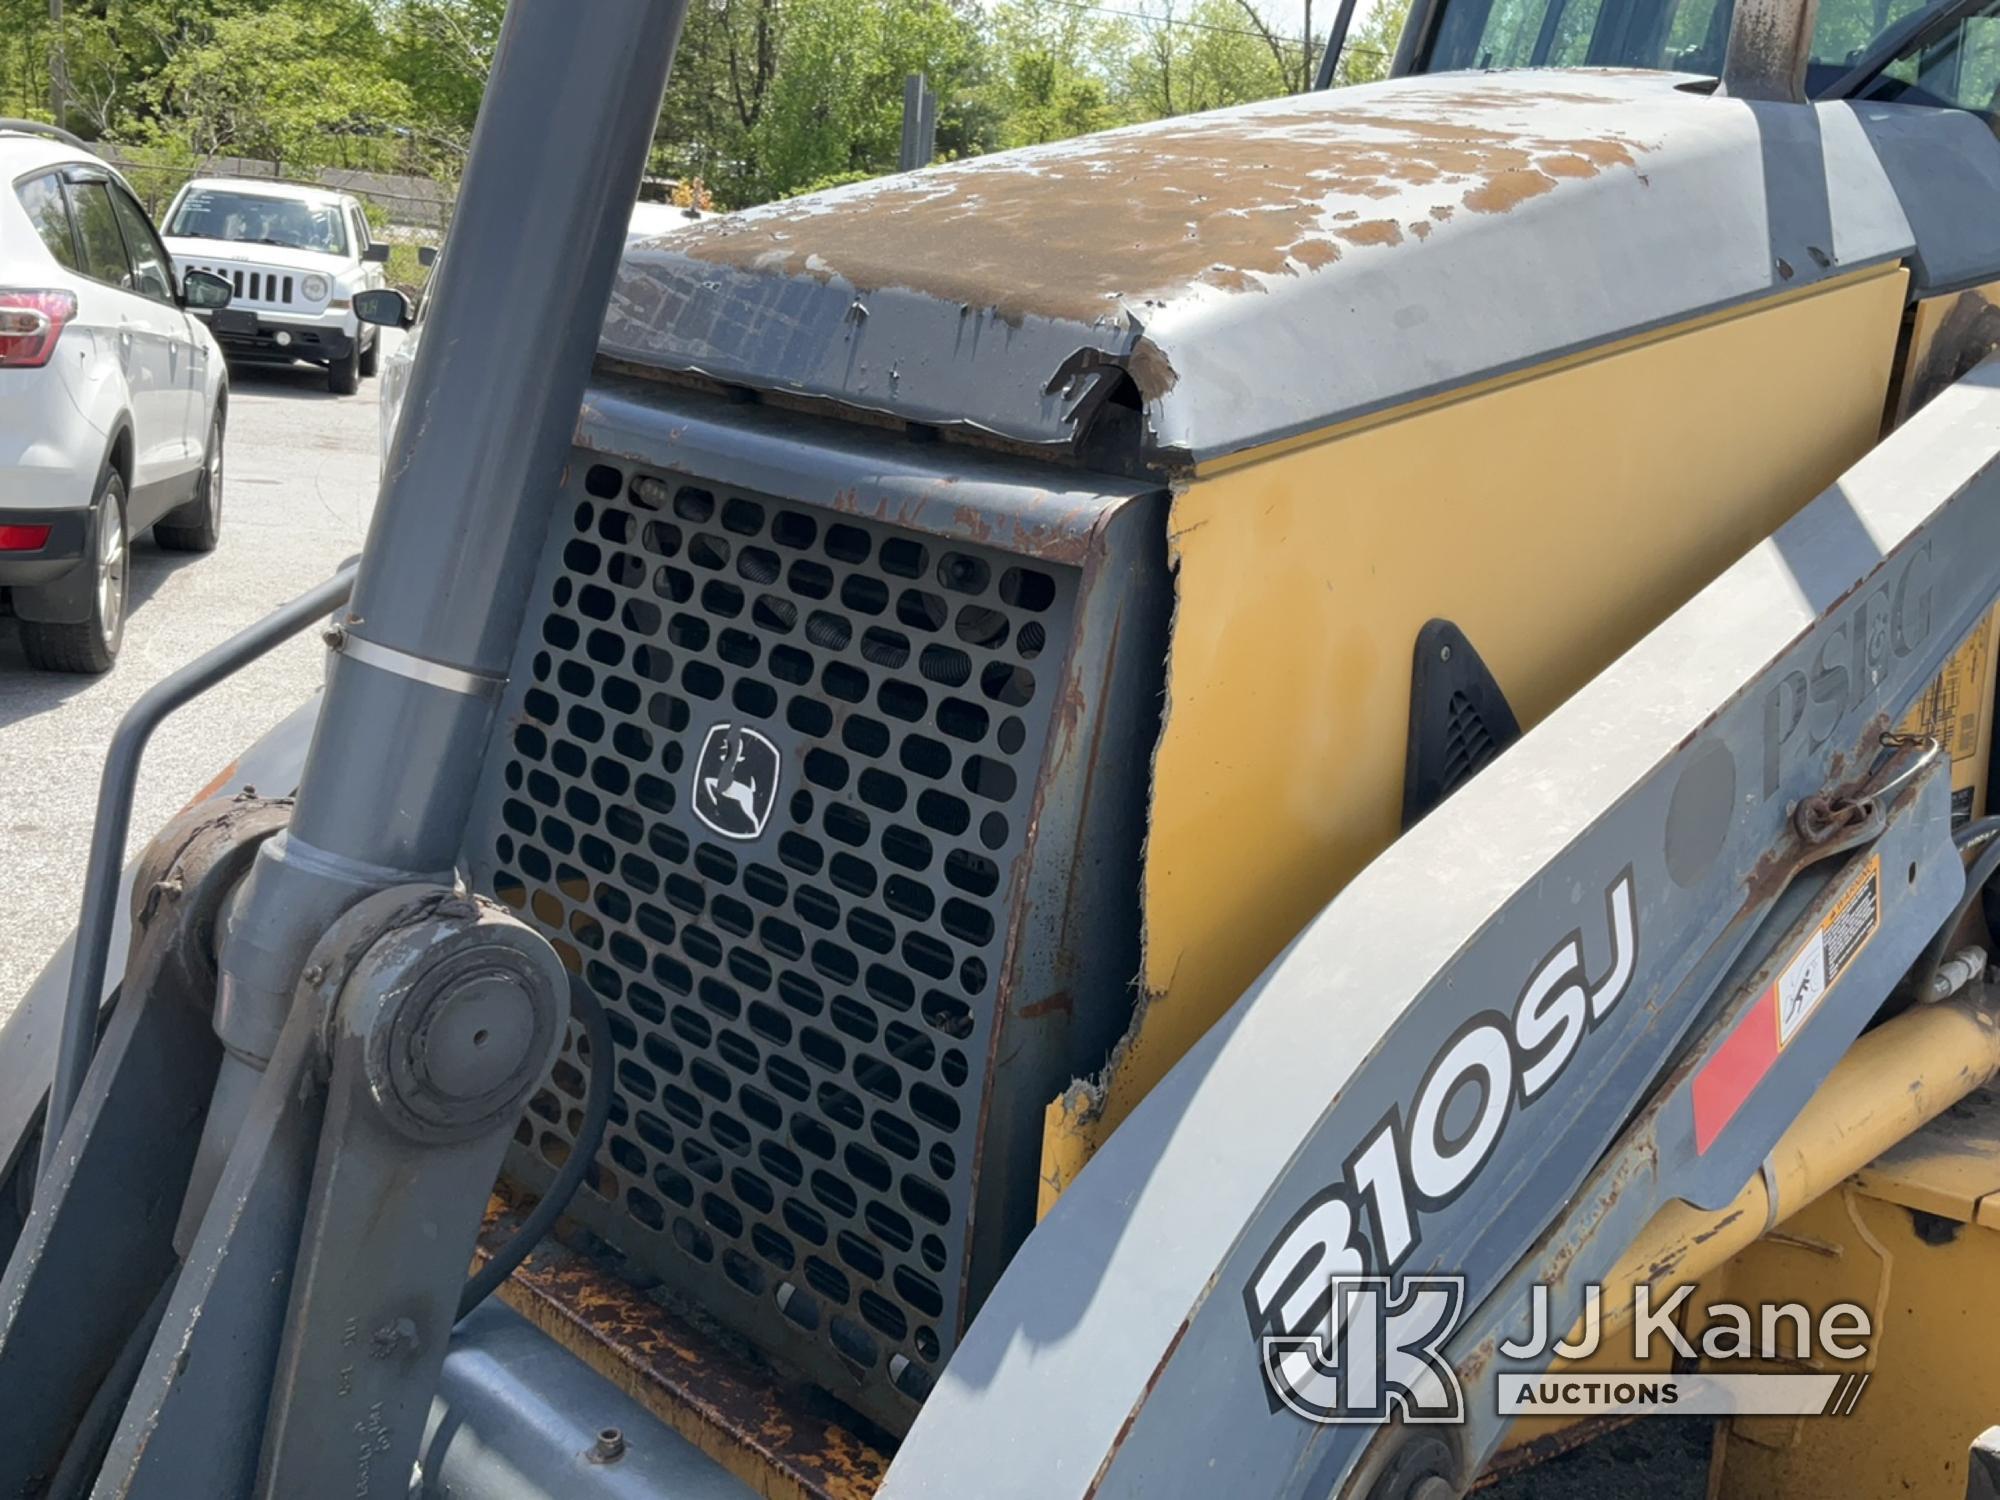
point(1769, 41)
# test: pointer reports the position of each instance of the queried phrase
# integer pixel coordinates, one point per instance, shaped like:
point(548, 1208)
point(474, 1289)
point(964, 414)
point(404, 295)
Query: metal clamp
point(342, 641)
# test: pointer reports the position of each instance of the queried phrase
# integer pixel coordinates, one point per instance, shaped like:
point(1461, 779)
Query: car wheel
point(91, 645)
point(371, 357)
point(343, 376)
point(197, 526)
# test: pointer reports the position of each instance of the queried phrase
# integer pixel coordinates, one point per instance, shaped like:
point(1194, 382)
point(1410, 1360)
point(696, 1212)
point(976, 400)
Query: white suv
point(294, 256)
point(112, 398)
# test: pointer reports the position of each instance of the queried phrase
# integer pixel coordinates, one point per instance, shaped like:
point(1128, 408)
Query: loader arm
point(1533, 1051)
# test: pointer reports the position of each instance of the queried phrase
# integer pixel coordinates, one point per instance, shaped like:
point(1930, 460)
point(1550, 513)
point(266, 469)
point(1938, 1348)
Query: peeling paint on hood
point(1141, 215)
point(1265, 270)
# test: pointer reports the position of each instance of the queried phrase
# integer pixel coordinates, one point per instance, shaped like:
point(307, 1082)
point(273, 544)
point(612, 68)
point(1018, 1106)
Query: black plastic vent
point(802, 1016)
point(1468, 742)
point(1459, 719)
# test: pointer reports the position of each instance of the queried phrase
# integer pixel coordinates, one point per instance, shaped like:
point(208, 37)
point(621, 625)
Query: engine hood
point(264, 257)
point(1267, 270)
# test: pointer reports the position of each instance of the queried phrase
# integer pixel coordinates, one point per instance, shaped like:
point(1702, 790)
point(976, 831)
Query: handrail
point(90, 959)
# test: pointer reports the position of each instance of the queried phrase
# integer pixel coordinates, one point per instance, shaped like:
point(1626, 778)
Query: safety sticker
point(1728, 1078)
point(1950, 710)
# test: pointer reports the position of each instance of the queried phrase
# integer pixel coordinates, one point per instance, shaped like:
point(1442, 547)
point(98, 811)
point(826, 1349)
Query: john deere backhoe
point(967, 836)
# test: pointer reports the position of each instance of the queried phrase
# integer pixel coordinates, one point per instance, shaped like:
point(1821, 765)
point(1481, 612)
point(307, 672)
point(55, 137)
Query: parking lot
point(301, 470)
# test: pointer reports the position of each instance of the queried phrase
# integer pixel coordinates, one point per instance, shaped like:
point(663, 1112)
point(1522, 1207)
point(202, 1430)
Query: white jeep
point(294, 256)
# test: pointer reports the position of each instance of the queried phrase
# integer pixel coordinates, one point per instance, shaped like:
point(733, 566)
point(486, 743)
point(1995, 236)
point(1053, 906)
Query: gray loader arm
point(1425, 1079)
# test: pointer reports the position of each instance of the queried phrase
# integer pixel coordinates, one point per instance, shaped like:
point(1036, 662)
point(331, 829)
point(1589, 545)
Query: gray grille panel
point(251, 286)
point(803, 1018)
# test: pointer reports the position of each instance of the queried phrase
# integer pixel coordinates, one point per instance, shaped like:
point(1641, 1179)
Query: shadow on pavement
point(306, 382)
point(26, 692)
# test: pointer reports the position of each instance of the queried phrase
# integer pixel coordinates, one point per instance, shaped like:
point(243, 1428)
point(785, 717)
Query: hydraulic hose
point(589, 1137)
point(1984, 863)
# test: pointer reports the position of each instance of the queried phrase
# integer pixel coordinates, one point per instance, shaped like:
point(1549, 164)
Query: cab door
point(142, 331)
point(187, 351)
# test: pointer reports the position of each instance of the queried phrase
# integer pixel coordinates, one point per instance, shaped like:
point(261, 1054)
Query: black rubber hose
point(596, 1115)
point(1976, 875)
point(1976, 832)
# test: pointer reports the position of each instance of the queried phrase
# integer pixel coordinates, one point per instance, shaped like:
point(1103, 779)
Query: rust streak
point(784, 1439)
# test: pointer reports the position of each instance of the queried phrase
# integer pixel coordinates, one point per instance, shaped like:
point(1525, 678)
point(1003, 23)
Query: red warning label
point(1728, 1078)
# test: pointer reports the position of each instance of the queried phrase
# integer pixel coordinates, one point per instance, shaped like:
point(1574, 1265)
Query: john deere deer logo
point(735, 781)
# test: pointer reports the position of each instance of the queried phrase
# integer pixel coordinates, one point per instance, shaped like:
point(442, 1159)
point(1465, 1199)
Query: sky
point(1286, 17)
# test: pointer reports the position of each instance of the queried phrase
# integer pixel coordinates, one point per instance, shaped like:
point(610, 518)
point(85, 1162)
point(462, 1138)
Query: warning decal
point(1950, 711)
point(1809, 976)
point(1728, 1078)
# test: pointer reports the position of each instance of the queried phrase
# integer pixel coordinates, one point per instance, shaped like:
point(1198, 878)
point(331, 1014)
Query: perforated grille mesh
point(802, 1018)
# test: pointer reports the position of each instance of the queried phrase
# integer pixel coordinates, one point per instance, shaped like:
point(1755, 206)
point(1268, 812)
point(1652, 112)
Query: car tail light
point(23, 538)
point(30, 324)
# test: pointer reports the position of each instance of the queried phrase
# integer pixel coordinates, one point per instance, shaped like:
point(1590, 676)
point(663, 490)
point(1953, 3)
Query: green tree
point(441, 51)
point(835, 104)
point(768, 97)
point(1371, 46)
point(293, 84)
point(1200, 58)
point(1052, 70)
point(723, 73)
point(1296, 57)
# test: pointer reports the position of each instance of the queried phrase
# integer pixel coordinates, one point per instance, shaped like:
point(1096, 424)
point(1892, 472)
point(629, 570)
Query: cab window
point(48, 211)
point(1954, 67)
point(150, 274)
point(97, 228)
point(1680, 35)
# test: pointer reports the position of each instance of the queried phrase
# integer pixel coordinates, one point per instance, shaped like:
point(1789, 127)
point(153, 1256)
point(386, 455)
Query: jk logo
point(1379, 1354)
point(735, 781)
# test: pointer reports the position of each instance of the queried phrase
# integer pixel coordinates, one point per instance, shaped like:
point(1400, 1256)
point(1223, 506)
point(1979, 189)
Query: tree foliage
point(285, 84)
point(769, 97)
point(1371, 46)
point(1201, 56)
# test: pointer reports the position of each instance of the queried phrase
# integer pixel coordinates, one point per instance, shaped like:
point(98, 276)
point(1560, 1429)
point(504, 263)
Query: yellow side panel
point(1554, 517)
point(1933, 1383)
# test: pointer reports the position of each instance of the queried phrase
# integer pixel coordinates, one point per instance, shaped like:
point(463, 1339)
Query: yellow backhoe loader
point(1288, 803)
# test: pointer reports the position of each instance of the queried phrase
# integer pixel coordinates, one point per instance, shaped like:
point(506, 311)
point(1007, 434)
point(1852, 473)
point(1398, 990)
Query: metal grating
point(804, 1016)
point(251, 286)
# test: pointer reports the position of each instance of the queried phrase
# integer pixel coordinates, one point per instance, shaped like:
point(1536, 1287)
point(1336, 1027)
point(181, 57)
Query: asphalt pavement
point(300, 471)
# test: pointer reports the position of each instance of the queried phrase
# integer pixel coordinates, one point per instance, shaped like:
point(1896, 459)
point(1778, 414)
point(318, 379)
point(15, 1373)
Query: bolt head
point(609, 1447)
